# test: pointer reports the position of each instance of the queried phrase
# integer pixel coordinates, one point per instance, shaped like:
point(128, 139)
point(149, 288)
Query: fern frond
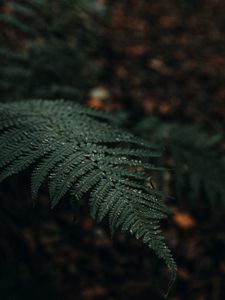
point(198, 160)
point(81, 154)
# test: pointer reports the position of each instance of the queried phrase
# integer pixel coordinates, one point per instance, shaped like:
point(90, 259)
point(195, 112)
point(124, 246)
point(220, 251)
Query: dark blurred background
point(163, 64)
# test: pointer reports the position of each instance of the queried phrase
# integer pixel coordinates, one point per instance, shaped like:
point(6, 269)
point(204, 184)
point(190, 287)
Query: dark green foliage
point(50, 57)
point(81, 153)
point(197, 161)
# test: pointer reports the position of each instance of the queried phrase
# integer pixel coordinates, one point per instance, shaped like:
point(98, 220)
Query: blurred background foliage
point(45, 48)
point(163, 64)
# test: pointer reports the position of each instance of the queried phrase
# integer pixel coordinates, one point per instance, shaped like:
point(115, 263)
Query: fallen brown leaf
point(184, 220)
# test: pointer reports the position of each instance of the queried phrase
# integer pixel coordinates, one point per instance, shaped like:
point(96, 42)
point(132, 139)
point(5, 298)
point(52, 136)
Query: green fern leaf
point(84, 155)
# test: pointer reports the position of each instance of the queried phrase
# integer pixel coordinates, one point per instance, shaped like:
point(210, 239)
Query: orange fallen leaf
point(165, 107)
point(95, 103)
point(183, 220)
point(156, 64)
point(99, 96)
